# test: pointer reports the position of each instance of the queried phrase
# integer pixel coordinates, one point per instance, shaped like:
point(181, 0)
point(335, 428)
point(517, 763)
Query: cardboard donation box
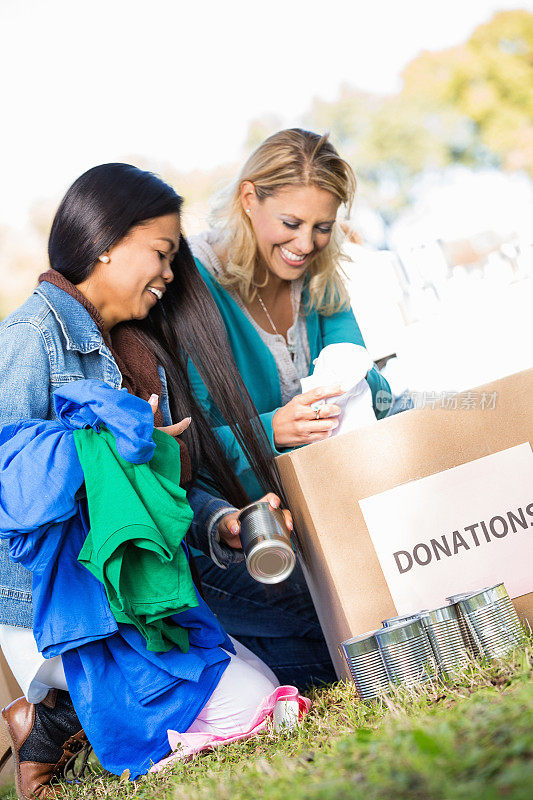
point(396, 516)
point(9, 690)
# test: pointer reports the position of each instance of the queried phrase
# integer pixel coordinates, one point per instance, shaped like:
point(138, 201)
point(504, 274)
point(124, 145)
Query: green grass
point(462, 741)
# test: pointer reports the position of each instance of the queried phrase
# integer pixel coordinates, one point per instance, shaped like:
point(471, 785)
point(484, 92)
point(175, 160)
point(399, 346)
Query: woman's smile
point(157, 293)
point(291, 258)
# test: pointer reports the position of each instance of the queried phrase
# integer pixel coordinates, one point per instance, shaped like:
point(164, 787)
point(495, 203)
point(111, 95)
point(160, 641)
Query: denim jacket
point(51, 340)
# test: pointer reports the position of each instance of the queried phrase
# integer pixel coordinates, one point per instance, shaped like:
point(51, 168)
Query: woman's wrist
point(277, 431)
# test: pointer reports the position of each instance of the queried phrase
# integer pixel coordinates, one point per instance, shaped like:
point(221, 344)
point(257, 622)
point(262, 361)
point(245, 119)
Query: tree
point(347, 118)
point(470, 104)
point(489, 81)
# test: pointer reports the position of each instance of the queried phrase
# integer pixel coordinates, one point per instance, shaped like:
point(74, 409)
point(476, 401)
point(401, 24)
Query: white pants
point(35, 675)
point(245, 682)
point(243, 685)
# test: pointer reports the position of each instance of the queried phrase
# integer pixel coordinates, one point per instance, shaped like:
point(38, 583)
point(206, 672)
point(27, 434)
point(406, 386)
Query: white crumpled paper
point(344, 364)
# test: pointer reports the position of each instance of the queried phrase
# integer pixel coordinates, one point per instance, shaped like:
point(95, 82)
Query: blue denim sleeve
point(24, 373)
point(203, 534)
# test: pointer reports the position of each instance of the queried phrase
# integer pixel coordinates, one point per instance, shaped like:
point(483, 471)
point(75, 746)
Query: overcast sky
point(89, 82)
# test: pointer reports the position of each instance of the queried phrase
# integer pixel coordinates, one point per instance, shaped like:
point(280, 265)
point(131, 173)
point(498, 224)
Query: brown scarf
point(135, 360)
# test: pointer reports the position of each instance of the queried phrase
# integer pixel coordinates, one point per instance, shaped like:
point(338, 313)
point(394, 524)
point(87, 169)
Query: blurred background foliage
point(471, 105)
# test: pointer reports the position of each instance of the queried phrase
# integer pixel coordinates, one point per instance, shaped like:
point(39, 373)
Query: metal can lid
point(408, 631)
point(271, 562)
point(388, 623)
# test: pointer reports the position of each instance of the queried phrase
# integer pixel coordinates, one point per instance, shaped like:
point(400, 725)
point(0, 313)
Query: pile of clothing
point(91, 504)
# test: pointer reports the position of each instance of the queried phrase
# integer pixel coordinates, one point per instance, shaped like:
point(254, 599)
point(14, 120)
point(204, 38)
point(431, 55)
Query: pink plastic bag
point(185, 745)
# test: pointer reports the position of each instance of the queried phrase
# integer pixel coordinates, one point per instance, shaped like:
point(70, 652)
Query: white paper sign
point(459, 530)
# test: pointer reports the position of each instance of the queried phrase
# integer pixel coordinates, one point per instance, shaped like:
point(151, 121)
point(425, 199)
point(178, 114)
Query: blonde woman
point(272, 263)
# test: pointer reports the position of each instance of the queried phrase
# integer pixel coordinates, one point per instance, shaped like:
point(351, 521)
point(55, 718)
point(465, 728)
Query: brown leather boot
point(44, 736)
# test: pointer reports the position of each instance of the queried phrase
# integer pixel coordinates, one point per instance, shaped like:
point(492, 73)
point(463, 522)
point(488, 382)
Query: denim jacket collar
point(81, 333)
point(79, 329)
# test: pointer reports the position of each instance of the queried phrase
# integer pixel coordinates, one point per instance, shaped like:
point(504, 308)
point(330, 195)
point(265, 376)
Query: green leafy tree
point(347, 118)
point(489, 82)
point(470, 104)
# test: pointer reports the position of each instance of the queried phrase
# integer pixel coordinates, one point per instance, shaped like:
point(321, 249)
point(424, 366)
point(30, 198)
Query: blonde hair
point(292, 157)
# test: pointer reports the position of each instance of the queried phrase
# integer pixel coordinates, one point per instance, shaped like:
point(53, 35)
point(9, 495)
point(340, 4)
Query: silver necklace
point(290, 347)
point(263, 306)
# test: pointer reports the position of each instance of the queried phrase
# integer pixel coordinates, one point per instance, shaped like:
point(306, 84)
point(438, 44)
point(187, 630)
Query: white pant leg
point(232, 705)
point(254, 661)
point(34, 674)
point(244, 683)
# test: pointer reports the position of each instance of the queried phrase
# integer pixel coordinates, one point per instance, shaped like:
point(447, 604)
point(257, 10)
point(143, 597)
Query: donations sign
point(458, 530)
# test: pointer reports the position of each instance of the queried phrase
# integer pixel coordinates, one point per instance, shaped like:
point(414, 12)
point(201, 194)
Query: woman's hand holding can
point(229, 526)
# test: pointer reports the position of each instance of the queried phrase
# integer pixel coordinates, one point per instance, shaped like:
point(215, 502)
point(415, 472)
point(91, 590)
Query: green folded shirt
point(138, 516)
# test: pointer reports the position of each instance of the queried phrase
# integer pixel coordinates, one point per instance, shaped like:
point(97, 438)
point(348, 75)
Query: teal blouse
point(258, 370)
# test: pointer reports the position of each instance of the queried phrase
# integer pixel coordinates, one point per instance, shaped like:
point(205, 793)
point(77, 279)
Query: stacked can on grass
point(448, 645)
point(469, 637)
point(366, 665)
point(414, 648)
point(406, 652)
point(491, 620)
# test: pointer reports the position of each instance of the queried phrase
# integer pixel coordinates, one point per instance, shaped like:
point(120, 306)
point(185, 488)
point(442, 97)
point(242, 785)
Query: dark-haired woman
point(121, 299)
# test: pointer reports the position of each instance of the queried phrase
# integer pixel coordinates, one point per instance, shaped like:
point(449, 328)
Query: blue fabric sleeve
point(130, 419)
point(340, 327)
point(24, 373)
point(33, 455)
point(381, 393)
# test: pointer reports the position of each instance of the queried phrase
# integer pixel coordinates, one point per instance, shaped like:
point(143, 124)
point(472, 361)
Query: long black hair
point(97, 212)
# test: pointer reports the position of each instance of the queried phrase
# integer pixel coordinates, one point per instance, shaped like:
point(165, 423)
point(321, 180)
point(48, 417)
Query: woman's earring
point(104, 259)
point(248, 210)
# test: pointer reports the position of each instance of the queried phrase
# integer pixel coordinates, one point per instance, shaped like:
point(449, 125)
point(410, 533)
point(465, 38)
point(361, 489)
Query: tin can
point(266, 543)
point(366, 665)
point(407, 652)
point(469, 635)
point(444, 632)
point(507, 614)
point(491, 618)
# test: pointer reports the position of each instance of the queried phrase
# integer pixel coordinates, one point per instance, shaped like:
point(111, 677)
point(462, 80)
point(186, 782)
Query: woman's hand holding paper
point(306, 418)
